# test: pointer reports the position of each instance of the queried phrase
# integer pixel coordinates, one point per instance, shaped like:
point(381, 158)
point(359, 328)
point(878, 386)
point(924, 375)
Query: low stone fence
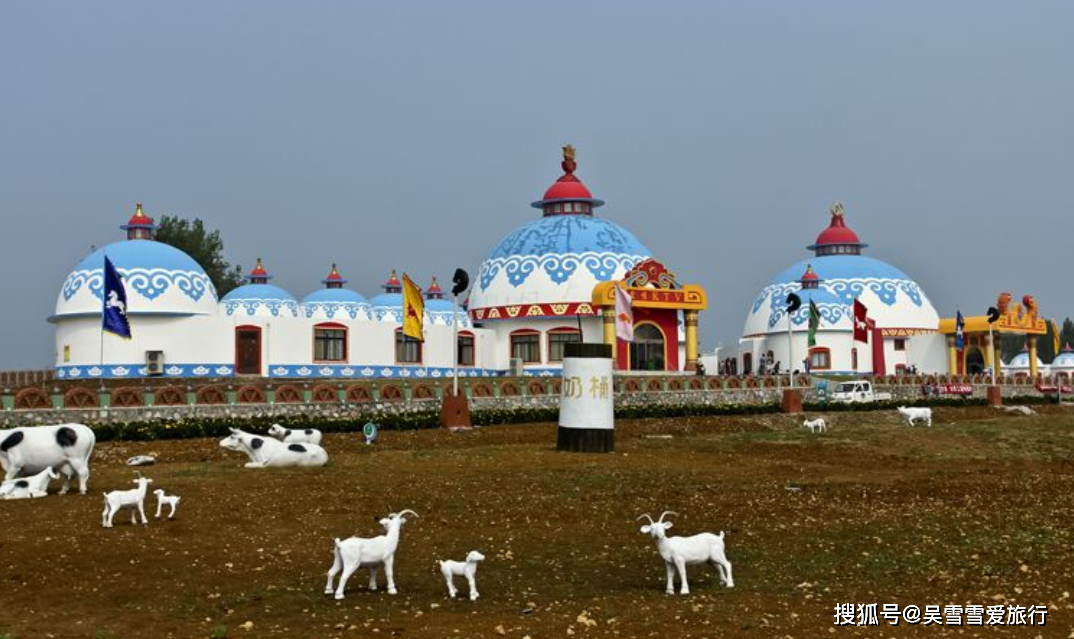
point(121, 401)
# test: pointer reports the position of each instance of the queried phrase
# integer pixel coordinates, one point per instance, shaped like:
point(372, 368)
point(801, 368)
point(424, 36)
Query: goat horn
point(406, 510)
point(647, 516)
point(667, 512)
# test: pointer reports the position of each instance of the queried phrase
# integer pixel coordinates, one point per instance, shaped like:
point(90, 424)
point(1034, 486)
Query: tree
point(205, 247)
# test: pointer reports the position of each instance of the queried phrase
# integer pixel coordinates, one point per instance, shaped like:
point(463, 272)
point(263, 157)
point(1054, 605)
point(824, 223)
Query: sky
point(414, 135)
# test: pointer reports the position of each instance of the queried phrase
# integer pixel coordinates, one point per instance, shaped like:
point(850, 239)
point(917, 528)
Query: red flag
point(861, 322)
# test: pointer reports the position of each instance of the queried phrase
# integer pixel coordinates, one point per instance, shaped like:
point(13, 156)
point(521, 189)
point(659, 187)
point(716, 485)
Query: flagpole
point(790, 349)
point(992, 355)
point(455, 348)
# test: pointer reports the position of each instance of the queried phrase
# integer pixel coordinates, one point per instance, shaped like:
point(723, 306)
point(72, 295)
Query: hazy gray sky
point(414, 135)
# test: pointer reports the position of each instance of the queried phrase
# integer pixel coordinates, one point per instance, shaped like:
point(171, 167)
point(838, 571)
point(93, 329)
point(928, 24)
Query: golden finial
point(837, 209)
point(260, 266)
point(138, 210)
point(568, 159)
point(334, 270)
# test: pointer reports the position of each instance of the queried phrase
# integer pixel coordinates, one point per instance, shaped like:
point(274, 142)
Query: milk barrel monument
point(586, 404)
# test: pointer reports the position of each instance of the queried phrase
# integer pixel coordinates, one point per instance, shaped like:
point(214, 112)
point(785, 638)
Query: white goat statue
point(468, 568)
point(680, 552)
point(165, 500)
point(29, 487)
point(817, 425)
point(133, 499)
point(265, 452)
point(357, 552)
point(64, 447)
point(288, 436)
point(910, 415)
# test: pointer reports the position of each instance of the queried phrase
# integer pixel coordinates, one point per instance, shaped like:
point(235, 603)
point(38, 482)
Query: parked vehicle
point(857, 391)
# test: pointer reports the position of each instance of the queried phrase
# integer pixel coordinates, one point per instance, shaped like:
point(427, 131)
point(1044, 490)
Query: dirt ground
point(976, 510)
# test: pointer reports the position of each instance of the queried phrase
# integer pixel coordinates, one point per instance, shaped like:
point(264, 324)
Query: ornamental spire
point(568, 164)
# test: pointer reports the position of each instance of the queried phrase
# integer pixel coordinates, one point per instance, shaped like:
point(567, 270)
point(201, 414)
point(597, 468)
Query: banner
point(861, 322)
point(114, 312)
point(960, 335)
point(413, 310)
point(814, 324)
point(624, 315)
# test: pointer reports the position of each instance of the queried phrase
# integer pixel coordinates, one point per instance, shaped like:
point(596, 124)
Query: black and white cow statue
point(64, 447)
point(265, 452)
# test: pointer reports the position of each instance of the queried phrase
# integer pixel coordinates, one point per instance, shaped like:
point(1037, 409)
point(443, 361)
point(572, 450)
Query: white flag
point(624, 315)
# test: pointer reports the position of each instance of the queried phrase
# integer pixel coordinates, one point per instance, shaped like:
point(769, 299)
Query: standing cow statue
point(63, 447)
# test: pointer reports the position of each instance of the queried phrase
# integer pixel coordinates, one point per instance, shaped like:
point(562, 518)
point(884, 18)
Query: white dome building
point(904, 322)
point(165, 288)
point(1063, 364)
point(535, 288)
point(1019, 365)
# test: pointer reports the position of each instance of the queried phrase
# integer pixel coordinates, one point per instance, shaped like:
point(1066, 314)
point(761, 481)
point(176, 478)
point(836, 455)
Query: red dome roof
point(837, 231)
point(139, 219)
point(334, 277)
point(567, 187)
point(434, 287)
point(259, 270)
point(809, 275)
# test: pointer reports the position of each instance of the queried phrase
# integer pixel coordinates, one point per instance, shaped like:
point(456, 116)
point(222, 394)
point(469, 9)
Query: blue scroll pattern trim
point(252, 305)
point(558, 267)
point(149, 283)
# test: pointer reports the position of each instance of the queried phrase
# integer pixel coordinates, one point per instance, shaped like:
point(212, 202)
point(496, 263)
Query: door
point(248, 350)
point(975, 361)
point(647, 349)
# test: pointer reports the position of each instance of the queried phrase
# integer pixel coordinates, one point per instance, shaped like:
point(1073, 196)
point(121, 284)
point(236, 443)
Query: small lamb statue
point(468, 568)
point(165, 500)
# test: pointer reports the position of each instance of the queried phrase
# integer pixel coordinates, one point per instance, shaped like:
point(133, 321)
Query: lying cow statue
point(265, 452)
point(63, 447)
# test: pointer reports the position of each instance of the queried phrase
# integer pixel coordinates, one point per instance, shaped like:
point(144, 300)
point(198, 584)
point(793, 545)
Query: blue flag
point(960, 337)
point(114, 313)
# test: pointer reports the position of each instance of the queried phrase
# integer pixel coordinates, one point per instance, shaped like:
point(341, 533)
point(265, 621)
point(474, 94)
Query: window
point(854, 359)
point(466, 349)
point(558, 338)
point(329, 343)
point(900, 344)
point(407, 349)
point(526, 346)
point(820, 359)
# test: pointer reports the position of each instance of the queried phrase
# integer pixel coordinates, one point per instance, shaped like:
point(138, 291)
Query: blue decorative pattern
point(331, 309)
point(362, 371)
point(150, 283)
point(558, 245)
point(138, 370)
point(831, 308)
point(311, 371)
point(559, 268)
point(251, 306)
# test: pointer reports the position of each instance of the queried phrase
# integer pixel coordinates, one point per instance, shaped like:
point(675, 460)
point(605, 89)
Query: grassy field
point(976, 510)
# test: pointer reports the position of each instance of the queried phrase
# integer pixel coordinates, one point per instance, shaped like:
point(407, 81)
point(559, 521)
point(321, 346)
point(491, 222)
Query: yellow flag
point(1055, 337)
point(413, 310)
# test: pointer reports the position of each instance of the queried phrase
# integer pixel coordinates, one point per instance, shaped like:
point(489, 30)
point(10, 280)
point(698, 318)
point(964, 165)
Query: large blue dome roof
point(159, 279)
point(561, 234)
point(135, 254)
point(555, 259)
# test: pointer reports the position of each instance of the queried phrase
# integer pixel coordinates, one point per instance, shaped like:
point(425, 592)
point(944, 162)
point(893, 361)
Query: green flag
point(814, 323)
